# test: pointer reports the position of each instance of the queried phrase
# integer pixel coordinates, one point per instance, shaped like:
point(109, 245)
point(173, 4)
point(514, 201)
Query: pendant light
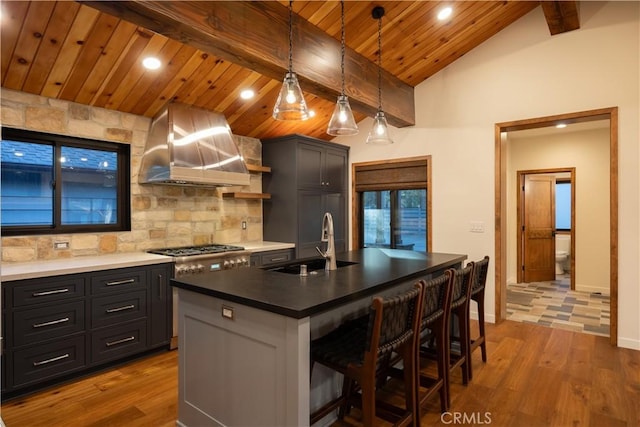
point(379, 133)
point(290, 104)
point(342, 121)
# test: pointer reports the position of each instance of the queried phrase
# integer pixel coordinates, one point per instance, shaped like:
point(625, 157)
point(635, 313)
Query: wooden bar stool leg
point(483, 344)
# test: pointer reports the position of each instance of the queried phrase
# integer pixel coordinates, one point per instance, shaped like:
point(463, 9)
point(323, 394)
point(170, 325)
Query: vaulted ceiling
point(90, 53)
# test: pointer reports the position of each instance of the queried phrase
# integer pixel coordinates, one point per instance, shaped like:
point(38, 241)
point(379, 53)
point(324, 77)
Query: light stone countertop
point(57, 267)
point(263, 246)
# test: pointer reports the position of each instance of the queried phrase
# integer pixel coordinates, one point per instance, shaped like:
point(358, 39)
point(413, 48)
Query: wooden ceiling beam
point(255, 35)
point(561, 16)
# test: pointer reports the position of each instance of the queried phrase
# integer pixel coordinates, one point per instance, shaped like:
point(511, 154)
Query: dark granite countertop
point(297, 297)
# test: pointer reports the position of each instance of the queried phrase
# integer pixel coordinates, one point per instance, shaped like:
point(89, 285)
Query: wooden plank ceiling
point(91, 53)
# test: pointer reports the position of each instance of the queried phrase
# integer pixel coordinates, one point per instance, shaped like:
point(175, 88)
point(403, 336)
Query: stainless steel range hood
point(191, 146)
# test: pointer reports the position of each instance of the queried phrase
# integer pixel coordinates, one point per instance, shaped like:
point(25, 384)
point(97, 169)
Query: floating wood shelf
point(258, 168)
point(248, 196)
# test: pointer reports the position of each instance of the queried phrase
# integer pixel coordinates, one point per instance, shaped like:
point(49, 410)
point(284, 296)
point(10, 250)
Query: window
point(395, 219)
point(60, 184)
point(563, 205)
point(392, 204)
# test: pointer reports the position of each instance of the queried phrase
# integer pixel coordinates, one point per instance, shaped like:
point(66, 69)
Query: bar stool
point(460, 309)
point(477, 294)
point(434, 339)
point(359, 354)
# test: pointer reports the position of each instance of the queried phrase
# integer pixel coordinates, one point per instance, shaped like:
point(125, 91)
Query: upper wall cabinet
point(322, 167)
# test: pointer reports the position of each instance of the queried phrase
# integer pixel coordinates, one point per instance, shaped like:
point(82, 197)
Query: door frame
point(610, 114)
point(572, 180)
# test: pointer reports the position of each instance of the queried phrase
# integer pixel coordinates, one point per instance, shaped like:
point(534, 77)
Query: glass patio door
point(395, 219)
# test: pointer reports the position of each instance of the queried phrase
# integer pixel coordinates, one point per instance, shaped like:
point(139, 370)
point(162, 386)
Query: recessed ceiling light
point(561, 125)
point(247, 94)
point(312, 113)
point(151, 63)
point(445, 13)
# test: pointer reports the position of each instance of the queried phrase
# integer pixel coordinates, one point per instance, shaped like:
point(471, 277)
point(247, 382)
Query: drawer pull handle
point(109, 344)
point(124, 307)
point(282, 258)
point(121, 282)
point(56, 291)
point(53, 359)
point(53, 322)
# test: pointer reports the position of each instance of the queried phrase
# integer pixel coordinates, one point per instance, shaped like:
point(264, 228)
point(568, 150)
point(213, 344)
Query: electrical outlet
point(244, 225)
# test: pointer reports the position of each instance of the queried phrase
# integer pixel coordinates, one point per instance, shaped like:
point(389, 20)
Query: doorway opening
point(610, 115)
point(545, 290)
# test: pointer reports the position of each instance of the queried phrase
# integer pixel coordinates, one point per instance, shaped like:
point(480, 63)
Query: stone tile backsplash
point(161, 216)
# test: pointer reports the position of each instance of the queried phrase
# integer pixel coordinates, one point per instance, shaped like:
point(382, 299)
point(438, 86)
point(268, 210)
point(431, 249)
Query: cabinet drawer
point(273, 257)
point(44, 323)
point(48, 289)
point(119, 281)
point(115, 342)
point(111, 309)
point(38, 363)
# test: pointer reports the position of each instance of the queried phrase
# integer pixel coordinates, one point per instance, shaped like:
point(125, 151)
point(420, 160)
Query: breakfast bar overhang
point(244, 334)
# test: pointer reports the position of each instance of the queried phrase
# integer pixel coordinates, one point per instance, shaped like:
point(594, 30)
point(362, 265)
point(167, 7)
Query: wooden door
point(538, 232)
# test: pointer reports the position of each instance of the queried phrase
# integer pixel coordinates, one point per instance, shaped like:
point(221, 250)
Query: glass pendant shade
point(290, 104)
point(342, 121)
point(379, 133)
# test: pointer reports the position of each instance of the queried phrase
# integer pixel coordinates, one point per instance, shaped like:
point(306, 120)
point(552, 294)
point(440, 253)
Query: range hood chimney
point(191, 146)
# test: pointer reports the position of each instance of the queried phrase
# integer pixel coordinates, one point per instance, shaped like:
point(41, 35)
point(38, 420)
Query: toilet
point(563, 247)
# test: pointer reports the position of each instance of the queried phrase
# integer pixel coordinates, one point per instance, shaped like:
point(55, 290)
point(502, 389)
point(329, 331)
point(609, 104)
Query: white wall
point(521, 73)
point(588, 153)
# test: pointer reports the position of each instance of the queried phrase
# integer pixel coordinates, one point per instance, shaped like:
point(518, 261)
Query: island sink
point(314, 266)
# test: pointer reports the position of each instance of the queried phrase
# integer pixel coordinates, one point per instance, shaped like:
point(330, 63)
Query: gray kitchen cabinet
point(260, 259)
point(320, 166)
point(160, 301)
point(308, 178)
point(61, 326)
point(310, 229)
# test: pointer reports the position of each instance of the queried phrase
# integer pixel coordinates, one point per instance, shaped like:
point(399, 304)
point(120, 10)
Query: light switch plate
point(476, 227)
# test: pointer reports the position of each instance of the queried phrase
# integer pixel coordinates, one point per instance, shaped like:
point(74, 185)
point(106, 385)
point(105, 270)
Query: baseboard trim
point(629, 343)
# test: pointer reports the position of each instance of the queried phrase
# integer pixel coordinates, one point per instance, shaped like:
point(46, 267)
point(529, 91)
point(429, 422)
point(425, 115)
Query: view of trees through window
point(395, 219)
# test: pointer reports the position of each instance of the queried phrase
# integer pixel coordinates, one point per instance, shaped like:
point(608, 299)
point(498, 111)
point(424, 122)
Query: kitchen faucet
point(327, 236)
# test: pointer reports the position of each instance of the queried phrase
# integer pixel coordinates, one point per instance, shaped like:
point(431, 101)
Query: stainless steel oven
point(193, 260)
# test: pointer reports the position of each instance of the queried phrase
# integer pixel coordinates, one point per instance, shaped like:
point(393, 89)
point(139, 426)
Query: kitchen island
point(244, 334)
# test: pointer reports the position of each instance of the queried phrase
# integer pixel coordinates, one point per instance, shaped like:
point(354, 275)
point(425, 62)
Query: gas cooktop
point(196, 250)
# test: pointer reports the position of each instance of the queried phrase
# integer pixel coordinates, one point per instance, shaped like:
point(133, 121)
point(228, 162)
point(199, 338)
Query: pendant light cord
point(380, 64)
point(290, 36)
point(343, 49)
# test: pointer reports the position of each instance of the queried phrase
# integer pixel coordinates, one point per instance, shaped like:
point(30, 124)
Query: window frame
point(123, 186)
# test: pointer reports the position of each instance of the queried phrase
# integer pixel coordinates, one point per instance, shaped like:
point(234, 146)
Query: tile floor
point(555, 305)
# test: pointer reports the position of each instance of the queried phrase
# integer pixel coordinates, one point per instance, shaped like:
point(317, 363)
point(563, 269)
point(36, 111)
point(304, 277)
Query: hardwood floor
point(140, 393)
point(535, 376)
